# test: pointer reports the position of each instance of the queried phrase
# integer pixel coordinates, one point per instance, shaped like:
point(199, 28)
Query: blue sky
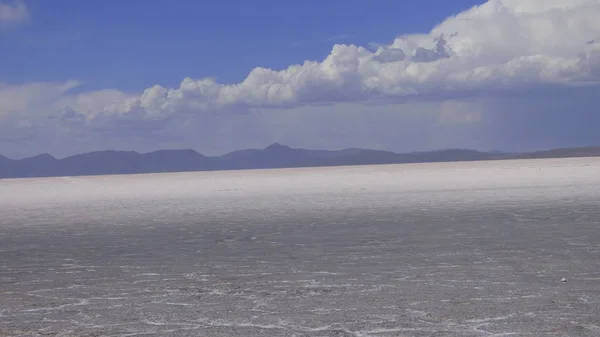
point(217, 76)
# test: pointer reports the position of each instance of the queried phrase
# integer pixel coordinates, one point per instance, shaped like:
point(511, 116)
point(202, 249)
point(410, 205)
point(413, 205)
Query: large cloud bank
point(497, 48)
point(501, 44)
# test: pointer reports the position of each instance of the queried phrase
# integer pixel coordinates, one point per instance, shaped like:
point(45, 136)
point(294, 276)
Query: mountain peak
point(277, 147)
point(184, 152)
point(43, 156)
point(40, 158)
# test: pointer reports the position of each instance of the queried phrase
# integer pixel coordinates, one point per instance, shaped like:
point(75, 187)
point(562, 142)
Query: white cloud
point(13, 13)
point(468, 60)
point(500, 44)
point(495, 46)
point(25, 100)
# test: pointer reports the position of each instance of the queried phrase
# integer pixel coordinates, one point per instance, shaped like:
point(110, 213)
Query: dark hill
point(273, 156)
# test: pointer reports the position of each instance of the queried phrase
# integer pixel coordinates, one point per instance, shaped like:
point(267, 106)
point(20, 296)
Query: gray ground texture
point(469, 249)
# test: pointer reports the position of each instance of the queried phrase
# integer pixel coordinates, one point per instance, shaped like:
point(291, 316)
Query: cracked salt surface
point(453, 249)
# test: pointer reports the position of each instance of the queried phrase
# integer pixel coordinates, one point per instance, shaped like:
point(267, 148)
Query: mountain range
point(273, 156)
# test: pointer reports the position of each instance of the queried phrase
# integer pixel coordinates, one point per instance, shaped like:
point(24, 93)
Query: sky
point(509, 75)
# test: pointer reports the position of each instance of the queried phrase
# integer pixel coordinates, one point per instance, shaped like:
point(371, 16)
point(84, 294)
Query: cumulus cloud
point(481, 55)
point(500, 45)
point(13, 13)
point(25, 100)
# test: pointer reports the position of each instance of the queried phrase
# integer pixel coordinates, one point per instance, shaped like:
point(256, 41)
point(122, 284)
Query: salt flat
point(452, 249)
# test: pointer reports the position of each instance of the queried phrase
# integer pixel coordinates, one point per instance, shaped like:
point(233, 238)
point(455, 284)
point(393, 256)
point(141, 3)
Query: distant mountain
point(273, 156)
point(591, 151)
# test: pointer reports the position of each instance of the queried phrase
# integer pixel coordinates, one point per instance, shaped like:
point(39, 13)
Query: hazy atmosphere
point(508, 75)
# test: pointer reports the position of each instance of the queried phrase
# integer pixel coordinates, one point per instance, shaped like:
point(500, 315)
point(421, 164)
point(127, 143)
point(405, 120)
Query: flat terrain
point(453, 249)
